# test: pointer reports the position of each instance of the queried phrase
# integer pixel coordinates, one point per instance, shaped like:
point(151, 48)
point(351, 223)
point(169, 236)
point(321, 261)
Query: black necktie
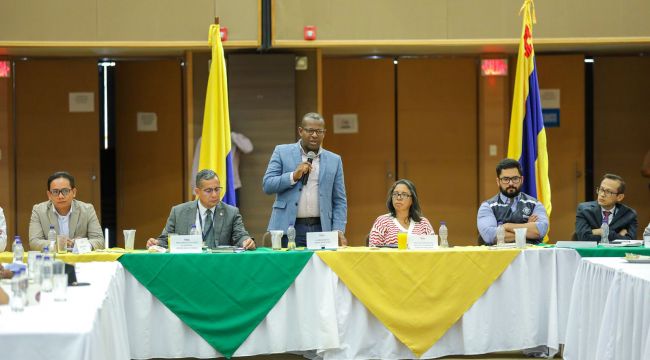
point(208, 223)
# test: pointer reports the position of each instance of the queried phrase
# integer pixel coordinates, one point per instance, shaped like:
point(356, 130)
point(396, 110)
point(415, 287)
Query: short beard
point(513, 195)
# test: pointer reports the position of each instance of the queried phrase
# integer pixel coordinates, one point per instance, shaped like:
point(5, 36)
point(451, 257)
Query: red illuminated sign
point(5, 69)
point(494, 67)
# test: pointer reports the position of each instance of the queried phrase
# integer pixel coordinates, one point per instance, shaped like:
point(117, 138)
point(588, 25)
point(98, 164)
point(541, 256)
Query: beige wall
point(457, 19)
point(124, 21)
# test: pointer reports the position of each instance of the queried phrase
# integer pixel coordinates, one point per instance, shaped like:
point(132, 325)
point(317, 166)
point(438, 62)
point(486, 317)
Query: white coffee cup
point(646, 241)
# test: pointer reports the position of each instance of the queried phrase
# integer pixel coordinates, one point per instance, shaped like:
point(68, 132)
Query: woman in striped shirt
point(404, 216)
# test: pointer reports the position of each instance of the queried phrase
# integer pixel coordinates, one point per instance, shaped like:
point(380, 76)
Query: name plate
point(323, 240)
point(422, 242)
point(185, 244)
point(82, 246)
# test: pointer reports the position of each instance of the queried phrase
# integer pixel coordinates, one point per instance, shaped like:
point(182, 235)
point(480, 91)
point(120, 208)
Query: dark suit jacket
point(589, 216)
point(228, 224)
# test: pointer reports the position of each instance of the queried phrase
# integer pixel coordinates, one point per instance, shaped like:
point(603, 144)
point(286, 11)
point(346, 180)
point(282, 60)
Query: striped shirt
point(385, 229)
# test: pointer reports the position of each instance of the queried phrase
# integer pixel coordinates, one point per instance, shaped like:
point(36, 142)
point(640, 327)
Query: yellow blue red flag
point(527, 141)
point(216, 153)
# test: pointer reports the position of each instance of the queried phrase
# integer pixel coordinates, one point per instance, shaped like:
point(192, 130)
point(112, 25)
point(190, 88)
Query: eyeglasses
point(63, 192)
point(209, 191)
point(310, 131)
point(605, 192)
point(514, 180)
point(400, 196)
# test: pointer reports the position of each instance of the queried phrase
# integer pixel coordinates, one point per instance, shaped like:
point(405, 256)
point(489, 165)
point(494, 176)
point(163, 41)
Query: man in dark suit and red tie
point(621, 219)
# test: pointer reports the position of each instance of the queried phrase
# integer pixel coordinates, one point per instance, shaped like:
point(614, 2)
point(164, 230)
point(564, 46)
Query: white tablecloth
point(527, 306)
point(290, 326)
point(91, 324)
point(609, 316)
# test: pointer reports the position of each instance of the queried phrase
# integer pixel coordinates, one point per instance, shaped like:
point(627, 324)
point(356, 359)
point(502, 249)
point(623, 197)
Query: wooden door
point(437, 140)
point(49, 137)
point(366, 88)
point(566, 143)
point(622, 127)
point(149, 164)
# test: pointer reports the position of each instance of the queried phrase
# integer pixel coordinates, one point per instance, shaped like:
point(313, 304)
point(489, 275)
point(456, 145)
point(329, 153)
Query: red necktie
point(606, 213)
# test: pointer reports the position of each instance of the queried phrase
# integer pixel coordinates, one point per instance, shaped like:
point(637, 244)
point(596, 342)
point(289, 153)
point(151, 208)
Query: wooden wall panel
point(149, 165)
point(7, 169)
point(621, 127)
point(437, 140)
point(261, 91)
point(49, 137)
point(566, 143)
point(366, 88)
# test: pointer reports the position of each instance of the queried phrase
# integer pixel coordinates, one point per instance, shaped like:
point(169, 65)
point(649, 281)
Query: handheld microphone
point(310, 158)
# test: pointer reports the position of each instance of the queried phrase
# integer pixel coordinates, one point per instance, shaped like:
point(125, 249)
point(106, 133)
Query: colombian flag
point(527, 141)
point(216, 152)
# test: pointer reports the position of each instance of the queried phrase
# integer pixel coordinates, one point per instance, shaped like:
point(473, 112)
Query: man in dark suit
point(621, 219)
point(219, 223)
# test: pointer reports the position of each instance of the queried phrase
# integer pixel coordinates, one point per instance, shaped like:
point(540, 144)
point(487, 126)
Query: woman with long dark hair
point(404, 216)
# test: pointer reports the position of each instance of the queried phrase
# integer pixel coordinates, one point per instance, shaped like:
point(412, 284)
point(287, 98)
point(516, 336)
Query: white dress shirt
point(308, 205)
point(64, 221)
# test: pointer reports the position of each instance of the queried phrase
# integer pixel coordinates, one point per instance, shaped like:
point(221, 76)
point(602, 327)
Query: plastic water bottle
point(46, 274)
point(18, 249)
point(38, 265)
point(23, 284)
point(646, 237)
point(291, 237)
point(604, 233)
point(195, 231)
point(51, 236)
point(17, 300)
point(443, 235)
point(501, 234)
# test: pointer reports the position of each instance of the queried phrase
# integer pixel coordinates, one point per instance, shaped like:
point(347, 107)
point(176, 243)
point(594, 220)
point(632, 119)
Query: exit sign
point(5, 69)
point(494, 67)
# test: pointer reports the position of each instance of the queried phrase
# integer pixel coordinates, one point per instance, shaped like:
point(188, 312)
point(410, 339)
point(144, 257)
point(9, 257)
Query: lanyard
point(205, 234)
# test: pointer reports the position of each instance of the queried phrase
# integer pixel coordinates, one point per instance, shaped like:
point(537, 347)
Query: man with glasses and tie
point(511, 207)
point(219, 223)
point(607, 208)
point(70, 217)
point(308, 183)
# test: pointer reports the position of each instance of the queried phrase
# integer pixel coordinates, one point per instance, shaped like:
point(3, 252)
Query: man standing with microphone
point(308, 183)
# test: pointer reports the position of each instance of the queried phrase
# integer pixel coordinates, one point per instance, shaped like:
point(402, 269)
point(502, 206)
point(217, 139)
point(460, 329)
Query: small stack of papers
point(624, 243)
point(576, 244)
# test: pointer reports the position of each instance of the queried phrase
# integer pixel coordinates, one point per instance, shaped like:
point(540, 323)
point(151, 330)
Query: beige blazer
point(83, 224)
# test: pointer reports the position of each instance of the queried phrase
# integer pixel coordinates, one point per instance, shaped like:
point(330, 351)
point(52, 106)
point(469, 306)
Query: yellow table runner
point(418, 295)
point(70, 258)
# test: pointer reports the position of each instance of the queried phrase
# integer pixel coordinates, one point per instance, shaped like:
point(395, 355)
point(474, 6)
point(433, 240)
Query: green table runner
point(223, 297)
point(602, 251)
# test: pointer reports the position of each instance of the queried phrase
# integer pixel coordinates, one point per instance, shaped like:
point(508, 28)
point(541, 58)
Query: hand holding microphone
point(310, 159)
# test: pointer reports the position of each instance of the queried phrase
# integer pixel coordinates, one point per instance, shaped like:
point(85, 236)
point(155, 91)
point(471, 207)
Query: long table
point(609, 315)
point(90, 325)
point(528, 305)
